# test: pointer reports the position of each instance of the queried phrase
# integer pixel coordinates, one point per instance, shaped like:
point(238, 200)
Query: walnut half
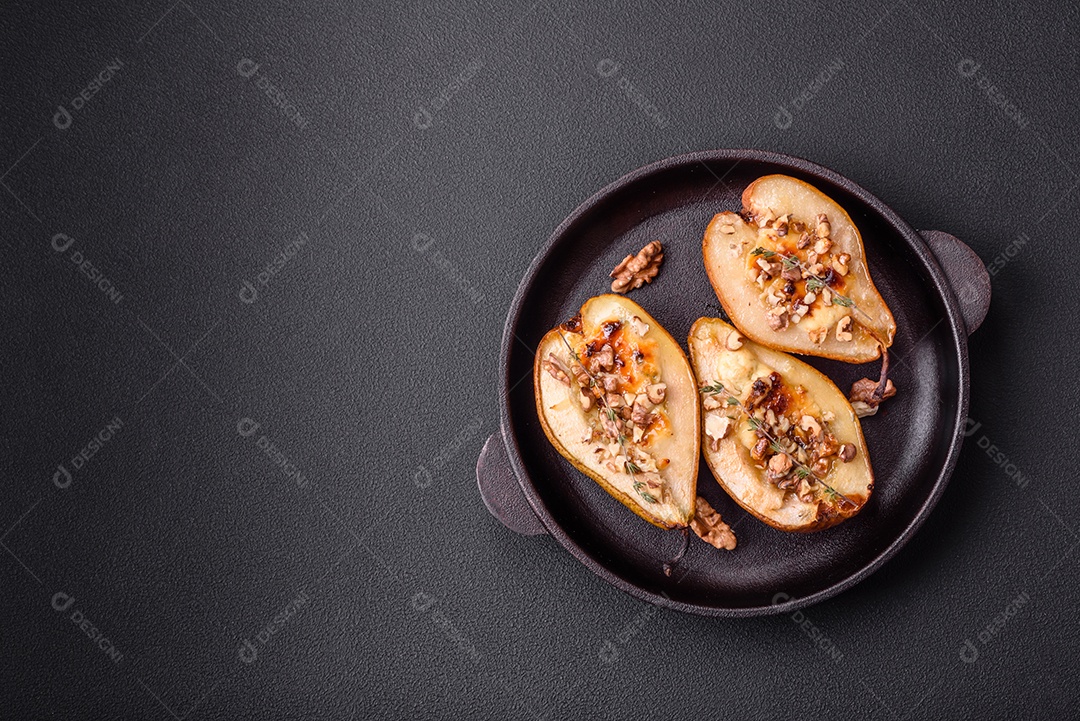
point(710, 527)
point(862, 396)
point(636, 270)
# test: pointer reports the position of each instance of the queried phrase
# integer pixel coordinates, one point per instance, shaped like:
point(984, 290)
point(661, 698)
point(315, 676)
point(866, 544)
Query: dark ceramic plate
point(938, 291)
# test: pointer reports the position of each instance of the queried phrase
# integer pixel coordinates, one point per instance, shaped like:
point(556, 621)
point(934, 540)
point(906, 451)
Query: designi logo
point(247, 652)
point(61, 601)
point(248, 294)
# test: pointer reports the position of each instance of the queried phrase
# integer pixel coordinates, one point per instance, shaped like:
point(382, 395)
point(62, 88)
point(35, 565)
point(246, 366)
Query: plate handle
point(966, 273)
point(501, 491)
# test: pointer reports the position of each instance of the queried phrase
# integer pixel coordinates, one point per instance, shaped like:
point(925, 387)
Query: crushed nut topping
point(603, 360)
point(656, 392)
point(636, 270)
point(797, 277)
point(839, 263)
point(787, 437)
point(823, 227)
point(843, 329)
point(809, 423)
point(556, 368)
point(618, 385)
point(734, 341)
point(710, 527)
point(779, 465)
point(777, 319)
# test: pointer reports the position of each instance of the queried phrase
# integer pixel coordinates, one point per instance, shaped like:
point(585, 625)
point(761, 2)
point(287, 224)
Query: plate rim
point(940, 286)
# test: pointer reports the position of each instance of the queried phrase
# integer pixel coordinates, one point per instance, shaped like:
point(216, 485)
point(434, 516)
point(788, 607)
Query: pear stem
point(884, 380)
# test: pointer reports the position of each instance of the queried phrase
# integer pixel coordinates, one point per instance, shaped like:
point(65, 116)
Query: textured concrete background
point(255, 267)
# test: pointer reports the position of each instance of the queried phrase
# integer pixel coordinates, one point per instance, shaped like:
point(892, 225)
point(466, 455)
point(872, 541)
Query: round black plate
point(913, 440)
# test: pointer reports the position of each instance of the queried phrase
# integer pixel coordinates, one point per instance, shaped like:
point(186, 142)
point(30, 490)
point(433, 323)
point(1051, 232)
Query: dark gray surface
point(370, 359)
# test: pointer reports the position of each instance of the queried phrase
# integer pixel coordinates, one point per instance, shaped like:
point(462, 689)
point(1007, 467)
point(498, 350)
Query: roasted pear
point(616, 397)
point(779, 436)
point(791, 273)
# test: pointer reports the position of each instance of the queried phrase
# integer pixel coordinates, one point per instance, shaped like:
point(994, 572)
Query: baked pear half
point(779, 436)
point(616, 397)
point(791, 273)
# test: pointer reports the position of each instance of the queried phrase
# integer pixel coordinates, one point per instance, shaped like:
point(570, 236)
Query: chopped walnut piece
point(805, 491)
point(656, 393)
point(734, 341)
point(710, 527)
point(804, 241)
point(823, 246)
point(827, 446)
point(818, 335)
point(840, 263)
point(843, 329)
point(639, 413)
point(809, 423)
point(614, 401)
point(586, 401)
point(636, 270)
point(556, 368)
point(759, 449)
point(823, 227)
point(712, 402)
point(606, 357)
point(779, 465)
point(862, 396)
point(781, 225)
point(847, 452)
point(640, 327)
point(777, 318)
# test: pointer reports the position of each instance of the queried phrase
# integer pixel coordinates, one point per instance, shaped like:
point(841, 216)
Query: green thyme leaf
point(814, 284)
point(713, 388)
point(843, 300)
point(645, 495)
